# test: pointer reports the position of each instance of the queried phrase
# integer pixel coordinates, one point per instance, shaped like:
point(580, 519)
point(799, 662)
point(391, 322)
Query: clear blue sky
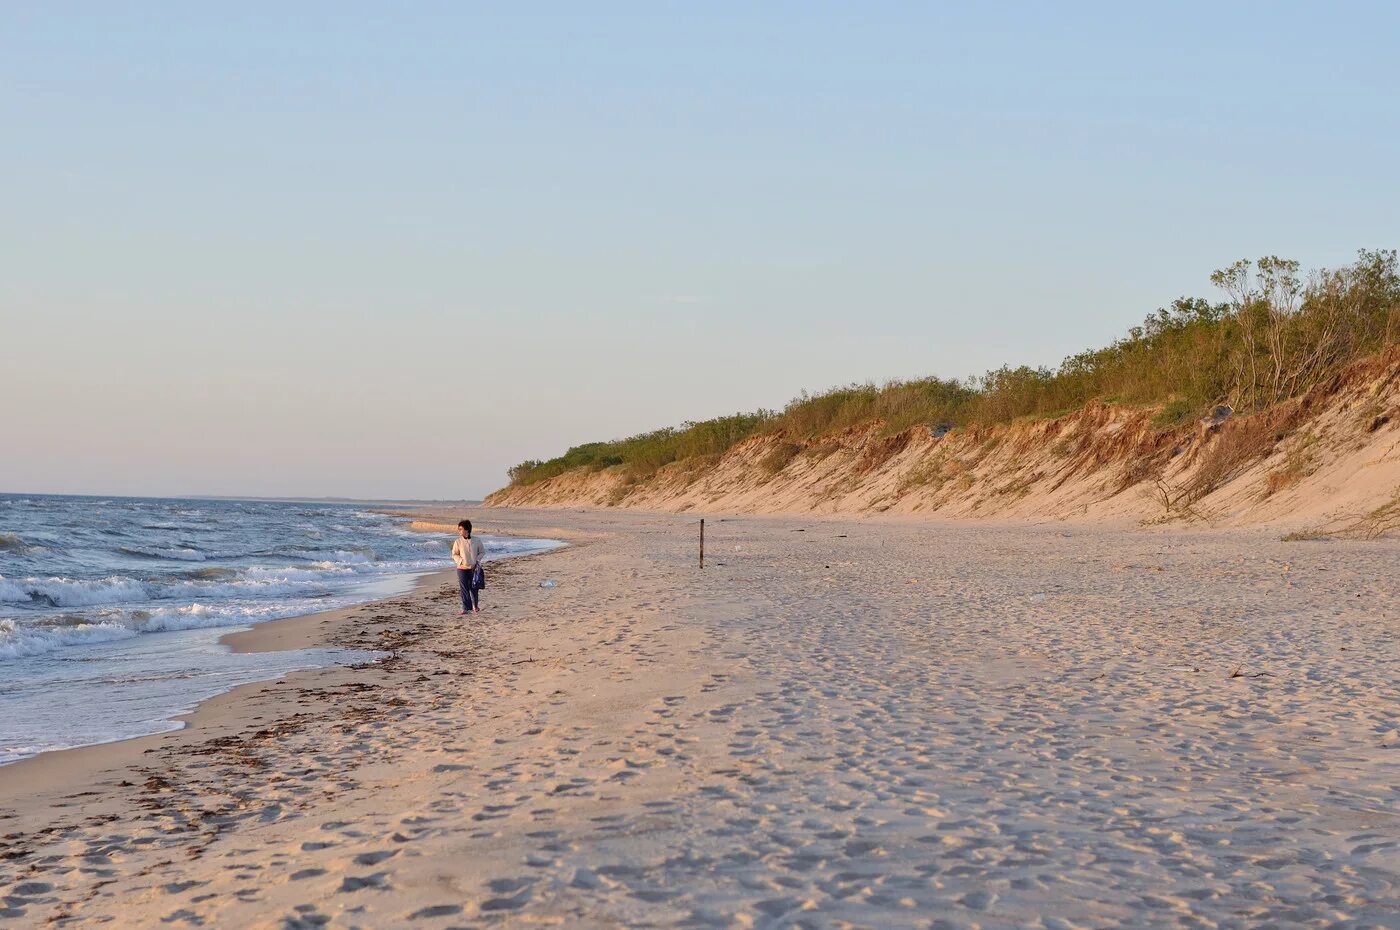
point(390, 249)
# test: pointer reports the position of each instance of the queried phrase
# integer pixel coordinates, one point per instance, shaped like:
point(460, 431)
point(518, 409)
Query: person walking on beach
point(467, 553)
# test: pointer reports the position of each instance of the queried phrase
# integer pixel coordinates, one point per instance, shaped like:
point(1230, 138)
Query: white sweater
point(467, 552)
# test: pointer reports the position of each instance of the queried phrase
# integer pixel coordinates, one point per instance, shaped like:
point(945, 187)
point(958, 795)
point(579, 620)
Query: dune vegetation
point(1271, 334)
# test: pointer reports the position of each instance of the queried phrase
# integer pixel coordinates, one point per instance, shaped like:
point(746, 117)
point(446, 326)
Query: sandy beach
point(837, 723)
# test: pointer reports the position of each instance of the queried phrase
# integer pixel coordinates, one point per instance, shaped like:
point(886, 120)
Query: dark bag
point(478, 577)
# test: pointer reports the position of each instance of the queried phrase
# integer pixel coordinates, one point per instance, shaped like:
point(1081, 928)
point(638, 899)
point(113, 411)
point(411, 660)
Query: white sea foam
point(71, 592)
point(313, 571)
point(263, 586)
point(202, 616)
point(18, 641)
point(9, 591)
point(256, 581)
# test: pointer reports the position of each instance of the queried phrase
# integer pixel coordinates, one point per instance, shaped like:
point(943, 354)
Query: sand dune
point(836, 724)
point(1323, 462)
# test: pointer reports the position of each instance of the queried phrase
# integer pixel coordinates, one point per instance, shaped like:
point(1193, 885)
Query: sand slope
point(836, 724)
point(1322, 461)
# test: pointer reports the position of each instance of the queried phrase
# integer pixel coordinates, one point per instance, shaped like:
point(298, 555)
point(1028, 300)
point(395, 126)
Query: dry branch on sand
point(1374, 524)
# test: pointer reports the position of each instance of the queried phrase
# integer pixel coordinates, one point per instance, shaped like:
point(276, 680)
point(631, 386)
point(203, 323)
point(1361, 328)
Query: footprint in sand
point(436, 910)
point(360, 882)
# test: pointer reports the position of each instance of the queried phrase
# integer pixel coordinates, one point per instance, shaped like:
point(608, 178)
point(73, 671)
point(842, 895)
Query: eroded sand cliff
point(1328, 461)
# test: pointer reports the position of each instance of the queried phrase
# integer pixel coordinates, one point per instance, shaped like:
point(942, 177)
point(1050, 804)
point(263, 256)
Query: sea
point(111, 608)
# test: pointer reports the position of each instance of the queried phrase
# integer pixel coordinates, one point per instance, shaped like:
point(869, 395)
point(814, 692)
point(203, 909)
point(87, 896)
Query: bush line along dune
point(1275, 335)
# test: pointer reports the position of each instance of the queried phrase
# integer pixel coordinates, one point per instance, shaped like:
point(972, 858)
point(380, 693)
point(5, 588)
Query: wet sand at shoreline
point(863, 723)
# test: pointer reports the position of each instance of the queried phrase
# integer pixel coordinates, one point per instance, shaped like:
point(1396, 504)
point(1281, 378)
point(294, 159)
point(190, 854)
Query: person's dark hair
point(465, 525)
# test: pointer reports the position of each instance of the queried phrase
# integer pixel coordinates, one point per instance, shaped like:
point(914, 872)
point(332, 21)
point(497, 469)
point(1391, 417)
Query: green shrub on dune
point(1276, 335)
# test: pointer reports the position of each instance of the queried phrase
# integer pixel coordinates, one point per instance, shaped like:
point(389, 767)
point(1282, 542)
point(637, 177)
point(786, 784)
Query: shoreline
point(305, 631)
point(54, 772)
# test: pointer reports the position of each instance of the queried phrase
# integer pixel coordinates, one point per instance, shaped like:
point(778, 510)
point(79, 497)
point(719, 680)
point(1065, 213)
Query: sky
point(388, 250)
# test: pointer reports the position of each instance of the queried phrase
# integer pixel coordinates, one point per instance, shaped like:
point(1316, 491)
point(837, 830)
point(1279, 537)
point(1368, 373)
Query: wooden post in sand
point(702, 542)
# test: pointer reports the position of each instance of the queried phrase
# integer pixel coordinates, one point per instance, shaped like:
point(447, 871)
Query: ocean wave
point(319, 554)
point(318, 579)
point(70, 592)
point(202, 616)
point(9, 591)
point(180, 555)
point(23, 639)
point(262, 586)
point(63, 581)
point(18, 641)
point(9, 542)
point(311, 571)
point(214, 573)
point(310, 553)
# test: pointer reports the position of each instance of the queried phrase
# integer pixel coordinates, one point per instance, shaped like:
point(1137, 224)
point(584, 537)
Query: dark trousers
point(470, 596)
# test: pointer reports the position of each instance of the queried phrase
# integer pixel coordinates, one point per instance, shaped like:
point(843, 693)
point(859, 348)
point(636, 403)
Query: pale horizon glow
point(344, 250)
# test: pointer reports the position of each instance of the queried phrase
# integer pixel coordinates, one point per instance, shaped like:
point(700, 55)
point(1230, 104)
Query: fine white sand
point(838, 723)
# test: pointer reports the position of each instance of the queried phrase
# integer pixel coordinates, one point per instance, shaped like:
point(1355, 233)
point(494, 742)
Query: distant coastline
point(366, 501)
